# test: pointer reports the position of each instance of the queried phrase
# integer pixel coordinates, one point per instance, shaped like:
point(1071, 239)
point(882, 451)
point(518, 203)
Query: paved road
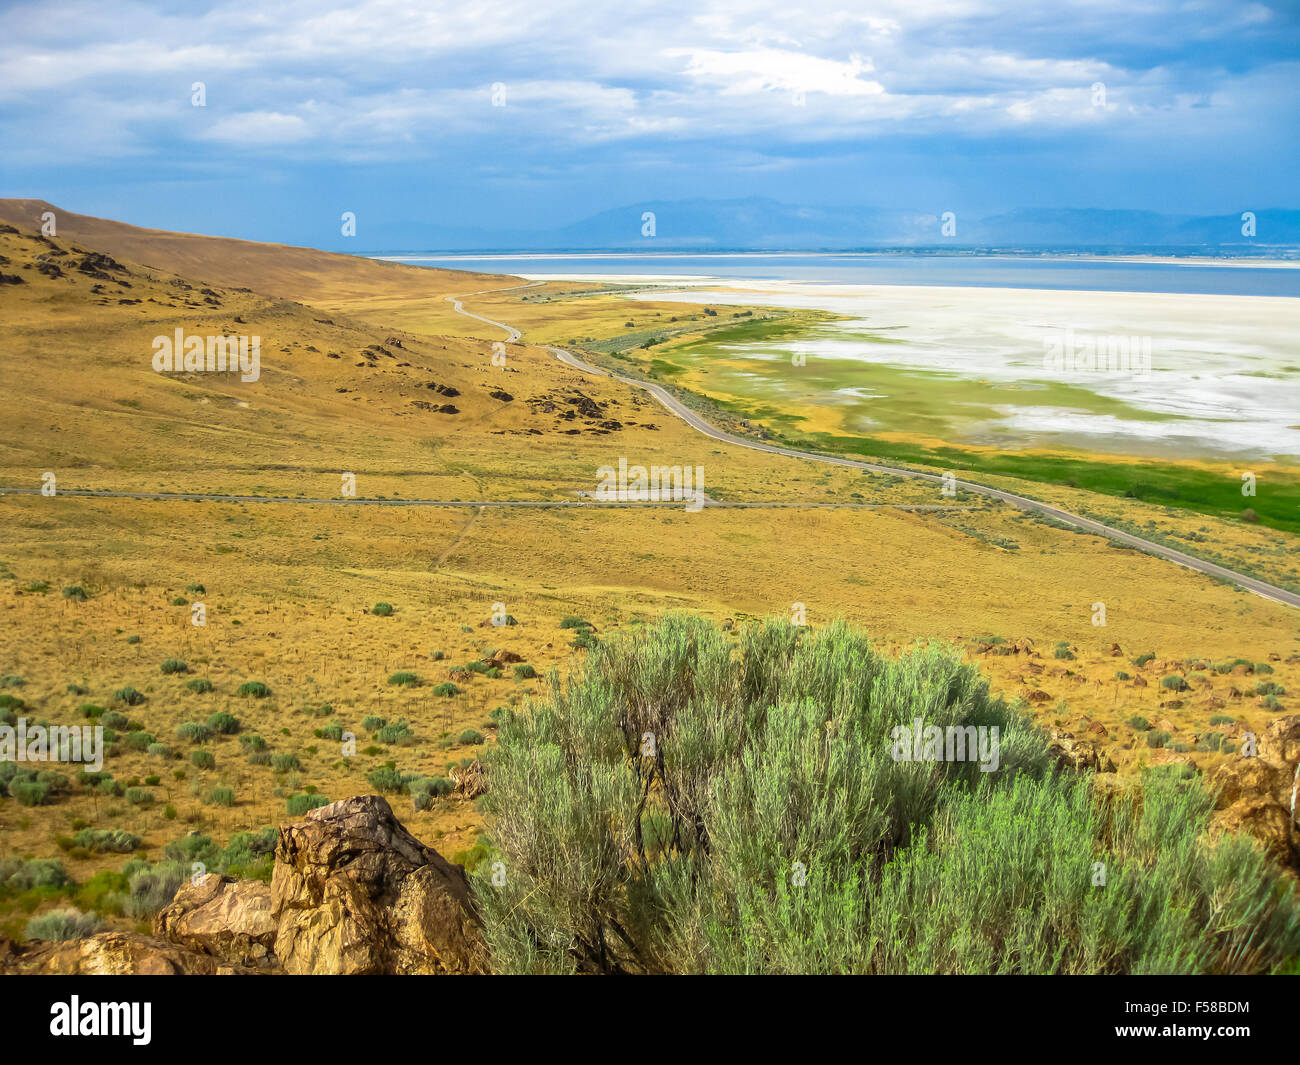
point(1089, 525)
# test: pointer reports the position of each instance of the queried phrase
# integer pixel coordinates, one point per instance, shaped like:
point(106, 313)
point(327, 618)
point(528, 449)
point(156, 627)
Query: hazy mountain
point(762, 224)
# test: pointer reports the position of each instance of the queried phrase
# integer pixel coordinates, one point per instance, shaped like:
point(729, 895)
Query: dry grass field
point(359, 361)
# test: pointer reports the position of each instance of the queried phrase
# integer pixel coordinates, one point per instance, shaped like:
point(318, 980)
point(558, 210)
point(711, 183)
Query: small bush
point(373, 722)
point(382, 610)
point(259, 758)
point(1142, 660)
point(1157, 738)
point(30, 792)
point(1121, 675)
point(331, 732)
point(129, 696)
point(574, 622)
point(132, 640)
point(285, 763)
point(252, 742)
point(76, 593)
point(159, 750)
point(226, 724)
point(113, 840)
point(1222, 719)
point(523, 671)
point(385, 779)
point(397, 732)
point(297, 805)
point(404, 680)
point(60, 925)
point(194, 732)
point(174, 665)
point(139, 797)
point(1174, 683)
point(470, 737)
point(203, 759)
point(1140, 723)
point(253, 689)
point(1211, 741)
point(199, 685)
point(222, 797)
point(1062, 650)
point(447, 688)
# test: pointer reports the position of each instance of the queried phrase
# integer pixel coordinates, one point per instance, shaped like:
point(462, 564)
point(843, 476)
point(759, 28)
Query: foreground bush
point(686, 807)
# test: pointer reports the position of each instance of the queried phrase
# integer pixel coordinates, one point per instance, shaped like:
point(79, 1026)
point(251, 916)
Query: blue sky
point(386, 108)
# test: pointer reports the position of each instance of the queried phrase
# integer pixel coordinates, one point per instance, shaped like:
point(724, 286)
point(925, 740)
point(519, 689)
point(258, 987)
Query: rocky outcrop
point(1254, 794)
point(225, 918)
point(1076, 754)
point(112, 954)
point(353, 892)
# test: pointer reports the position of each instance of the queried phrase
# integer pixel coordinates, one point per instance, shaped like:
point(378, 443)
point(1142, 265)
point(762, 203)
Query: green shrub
point(75, 592)
point(138, 740)
point(1263, 667)
point(194, 732)
point(1211, 741)
point(114, 840)
point(426, 789)
point(574, 622)
point(203, 759)
point(1121, 675)
point(285, 763)
point(585, 640)
point(1269, 687)
point(199, 685)
point(405, 680)
point(1158, 738)
point(385, 779)
point(259, 758)
point(180, 600)
point(222, 797)
point(372, 722)
point(470, 737)
point(477, 666)
point(90, 710)
point(523, 671)
point(396, 732)
point(226, 724)
point(58, 925)
point(129, 696)
point(331, 732)
point(252, 742)
point(382, 610)
point(775, 831)
point(1174, 683)
point(139, 797)
point(18, 874)
point(11, 680)
point(446, 688)
point(297, 805)
point(113, 719)
point(197, 589)
point(1222, 719)
point(1139, 723)
point(133, 639)
point(1062, 650)
point(253, 689)
point(30, 792)
point(1142, 660)
point(174, 665)
point(159, 750)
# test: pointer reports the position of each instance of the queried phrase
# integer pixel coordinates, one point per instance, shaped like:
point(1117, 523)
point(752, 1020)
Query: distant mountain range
point(767, 225)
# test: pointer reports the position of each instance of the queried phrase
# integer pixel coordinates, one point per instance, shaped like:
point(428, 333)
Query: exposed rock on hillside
point(352, 892)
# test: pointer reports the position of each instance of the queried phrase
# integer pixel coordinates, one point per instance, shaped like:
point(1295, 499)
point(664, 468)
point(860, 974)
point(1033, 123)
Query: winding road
point(1089, 525)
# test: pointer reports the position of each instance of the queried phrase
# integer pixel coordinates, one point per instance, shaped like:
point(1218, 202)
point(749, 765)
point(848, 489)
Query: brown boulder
point(1267, 821)
point(503, 656)
point(1281, 740)
point(1075, 754)
point(113, 954)
point(228, 919)
point(1249, 778)
point(353, 892)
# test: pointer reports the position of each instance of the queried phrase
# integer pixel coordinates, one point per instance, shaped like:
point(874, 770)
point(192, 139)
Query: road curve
point(1088, 525)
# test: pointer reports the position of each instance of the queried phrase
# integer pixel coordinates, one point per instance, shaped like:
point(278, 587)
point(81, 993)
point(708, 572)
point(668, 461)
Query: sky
point(538, 113)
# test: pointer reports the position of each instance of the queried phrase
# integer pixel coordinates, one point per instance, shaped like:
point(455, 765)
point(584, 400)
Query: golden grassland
point(289, 587)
